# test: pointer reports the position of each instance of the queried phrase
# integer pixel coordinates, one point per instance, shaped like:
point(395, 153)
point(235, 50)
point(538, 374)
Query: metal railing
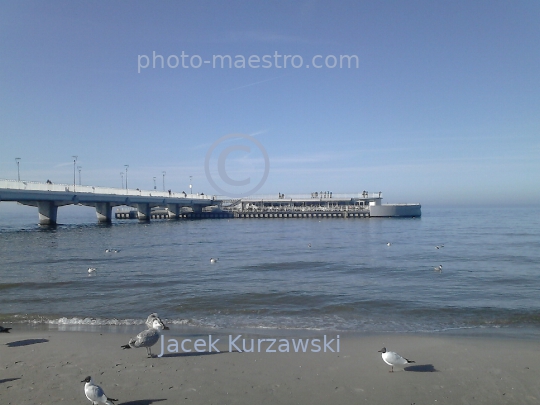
point(48, 186)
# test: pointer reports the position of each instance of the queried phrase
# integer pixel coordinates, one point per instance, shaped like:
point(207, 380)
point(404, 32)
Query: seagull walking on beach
point(4, 330)
point(393, 359)
point(95, 394)
point(147, 338)
point(438, 268)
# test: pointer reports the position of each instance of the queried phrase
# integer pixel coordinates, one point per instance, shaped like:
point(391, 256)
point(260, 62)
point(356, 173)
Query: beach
point(41, 366)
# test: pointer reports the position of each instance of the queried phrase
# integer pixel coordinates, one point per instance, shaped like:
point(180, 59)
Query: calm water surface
point(268, 276)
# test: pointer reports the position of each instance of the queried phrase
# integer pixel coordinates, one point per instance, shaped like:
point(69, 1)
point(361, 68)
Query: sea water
point(330, 274)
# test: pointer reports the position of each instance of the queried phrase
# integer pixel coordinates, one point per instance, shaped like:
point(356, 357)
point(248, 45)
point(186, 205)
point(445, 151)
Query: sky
point(440, 103)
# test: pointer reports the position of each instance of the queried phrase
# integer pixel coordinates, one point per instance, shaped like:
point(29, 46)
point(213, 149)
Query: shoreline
point(46, 366)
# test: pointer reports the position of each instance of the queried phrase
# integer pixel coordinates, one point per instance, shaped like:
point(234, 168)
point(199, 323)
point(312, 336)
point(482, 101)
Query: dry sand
point(46, 367)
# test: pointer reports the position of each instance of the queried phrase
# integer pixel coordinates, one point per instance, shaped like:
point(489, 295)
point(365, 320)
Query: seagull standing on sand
point(4, 330)
point(393, 359)
point(95, 394)
point(147, 338)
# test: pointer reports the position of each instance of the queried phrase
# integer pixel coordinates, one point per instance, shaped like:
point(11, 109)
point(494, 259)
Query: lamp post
point(164, 173)
point(122, 176)
point(154, 183)
point(126, 176)
point(18, 172)
point(74, 170)
point(79, 168)
point(190, 185)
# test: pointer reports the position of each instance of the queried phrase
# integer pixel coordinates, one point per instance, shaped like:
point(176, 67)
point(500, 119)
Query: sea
point(323, 274)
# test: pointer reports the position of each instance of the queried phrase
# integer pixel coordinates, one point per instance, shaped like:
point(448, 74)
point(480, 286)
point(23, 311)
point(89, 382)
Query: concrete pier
point(47, 197)
point(48, 212)
point(103, 212)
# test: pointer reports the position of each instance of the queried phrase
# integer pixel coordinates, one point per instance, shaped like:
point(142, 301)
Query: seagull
point(95, 394)
point(91, 270)
point(393, 359)
point(438, 268)
point(147, 338)
point(212, 260)
point(309, 245)
point(150, 320)
point(438, 247)
point(107, 250)
point(388, 244)
point(4, 330)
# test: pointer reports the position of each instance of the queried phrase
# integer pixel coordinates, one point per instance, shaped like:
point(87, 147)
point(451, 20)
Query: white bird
point(388, 244)
point(91, 270)
point(147, 338)
point(438, 268)
point(95, 394)
point(393, 359)
point(150, 320)
point(438, 247)
point(309, 245)
point(212, 260)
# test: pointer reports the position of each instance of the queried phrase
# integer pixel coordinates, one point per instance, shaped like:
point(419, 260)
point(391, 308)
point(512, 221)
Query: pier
point(47, 197)
point(145, 205)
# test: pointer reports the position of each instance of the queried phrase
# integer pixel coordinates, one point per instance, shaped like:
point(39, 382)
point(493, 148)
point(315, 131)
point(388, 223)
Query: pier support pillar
point(174, 211)
point(47, 212)
point(197, 208)
point(143, 212)
point(103, 211)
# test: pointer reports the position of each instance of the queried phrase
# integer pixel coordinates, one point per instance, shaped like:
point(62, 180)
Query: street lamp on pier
point(74, 170)
point(164, 173)
point(127, 166)
point(18, 172)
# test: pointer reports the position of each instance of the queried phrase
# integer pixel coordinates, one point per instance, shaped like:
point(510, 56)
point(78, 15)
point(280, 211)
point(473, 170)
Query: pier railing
point(38, 186)
point(288, 197)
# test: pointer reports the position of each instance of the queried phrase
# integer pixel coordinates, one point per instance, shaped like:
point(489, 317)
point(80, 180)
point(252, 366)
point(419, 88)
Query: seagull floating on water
point(388, 244)
point(393, 359)
point(147, 338)
point(91, 270)
point(309, 245)
point(4, 330)
point(212, 260)
point(95, 394)
point(438, 247)
point(438, 268)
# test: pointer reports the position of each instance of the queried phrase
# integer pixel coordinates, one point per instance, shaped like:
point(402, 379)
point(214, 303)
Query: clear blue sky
point(443, 107)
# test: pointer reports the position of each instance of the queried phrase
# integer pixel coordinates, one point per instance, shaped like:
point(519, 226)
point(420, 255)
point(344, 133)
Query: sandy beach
point(46, 367)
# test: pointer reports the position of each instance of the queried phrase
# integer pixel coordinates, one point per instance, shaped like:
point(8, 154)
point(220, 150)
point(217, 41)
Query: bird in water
point(393, 359)
point(148, 338)
point(438, 268)
point(388, 244)
point(212, 260)
point(95, 393)
point(91, 270)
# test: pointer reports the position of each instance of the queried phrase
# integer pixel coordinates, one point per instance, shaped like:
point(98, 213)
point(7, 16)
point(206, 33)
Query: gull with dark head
point(147, 338)
point(95, 394)
point(438, 268)
point(393, 359)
